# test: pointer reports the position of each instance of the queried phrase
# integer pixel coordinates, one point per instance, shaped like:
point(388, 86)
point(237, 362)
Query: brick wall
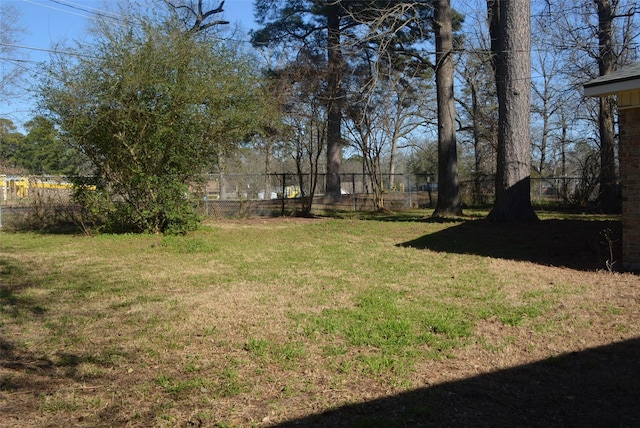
point(630, 178)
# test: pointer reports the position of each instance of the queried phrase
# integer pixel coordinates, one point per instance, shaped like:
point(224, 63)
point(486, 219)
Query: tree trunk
point(545, 130)
point(392, 161)
point(448, 187)
point(608, 196)
point(563, 157)
point(334, 115)
point(510, 28)
point(477, 159)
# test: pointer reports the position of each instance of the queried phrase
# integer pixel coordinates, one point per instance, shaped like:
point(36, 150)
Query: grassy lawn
point(253, 323)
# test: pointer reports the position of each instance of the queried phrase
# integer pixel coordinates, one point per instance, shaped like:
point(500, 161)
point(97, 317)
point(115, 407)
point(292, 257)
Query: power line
point(84, 8)
point(16, 60)
point(55, 8)
point(92, 11)
point(54, 51)
point(89, 12)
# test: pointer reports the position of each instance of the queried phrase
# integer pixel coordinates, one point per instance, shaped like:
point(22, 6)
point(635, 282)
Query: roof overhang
point(622, 80)
point(594, 89)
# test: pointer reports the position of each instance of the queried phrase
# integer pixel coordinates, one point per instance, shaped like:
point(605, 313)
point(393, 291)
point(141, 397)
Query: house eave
point(595, 89)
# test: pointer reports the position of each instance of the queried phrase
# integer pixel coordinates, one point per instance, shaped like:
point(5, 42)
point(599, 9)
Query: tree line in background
point(163, 96)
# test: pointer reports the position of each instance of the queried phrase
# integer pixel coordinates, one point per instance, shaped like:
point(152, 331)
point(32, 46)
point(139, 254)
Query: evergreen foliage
point(152, 107)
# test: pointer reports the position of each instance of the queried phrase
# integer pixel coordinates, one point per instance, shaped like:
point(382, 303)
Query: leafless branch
point(195, 10)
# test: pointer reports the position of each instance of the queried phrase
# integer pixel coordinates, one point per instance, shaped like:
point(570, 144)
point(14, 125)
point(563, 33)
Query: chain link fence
point(289, 194)
point(242, 195)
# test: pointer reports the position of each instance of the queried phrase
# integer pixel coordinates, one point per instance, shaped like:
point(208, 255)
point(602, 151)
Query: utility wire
point(89, 12)
point(87, 9)
point(54, 51)
point(55, 8)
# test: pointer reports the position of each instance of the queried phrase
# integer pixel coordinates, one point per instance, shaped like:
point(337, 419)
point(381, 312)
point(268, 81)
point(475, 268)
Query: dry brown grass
point(255, 323)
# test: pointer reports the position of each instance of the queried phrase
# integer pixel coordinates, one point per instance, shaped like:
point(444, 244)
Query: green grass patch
point(284, 354)
point(397, 328)
point(178, 387)
point(189, 244)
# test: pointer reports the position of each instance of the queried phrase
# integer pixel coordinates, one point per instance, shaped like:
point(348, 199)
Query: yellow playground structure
point(15, 187)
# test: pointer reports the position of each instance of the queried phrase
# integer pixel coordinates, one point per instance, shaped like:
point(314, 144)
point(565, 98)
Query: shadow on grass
point(13, 280)
point(22, 370)
point(576, 244)
point(596, 387)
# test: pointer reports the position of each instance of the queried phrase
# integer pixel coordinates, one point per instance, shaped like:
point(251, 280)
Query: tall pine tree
point(343, 28)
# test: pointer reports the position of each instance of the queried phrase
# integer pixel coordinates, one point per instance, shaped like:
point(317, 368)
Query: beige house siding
point(629, 99)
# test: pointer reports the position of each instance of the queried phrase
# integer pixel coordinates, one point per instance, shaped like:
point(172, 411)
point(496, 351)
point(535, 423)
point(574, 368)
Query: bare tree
point(478, 111)
point(342, 29)
point(12, 67)
point(297, 88)
point(510, 29)
point(598, 37)
point(409, 109)
point(306, 117)
point(386, 105)
point(556, 105)
point(548, 101)
point(195, 15)
point(319, 26)
point(438, 17)
point(607, 63)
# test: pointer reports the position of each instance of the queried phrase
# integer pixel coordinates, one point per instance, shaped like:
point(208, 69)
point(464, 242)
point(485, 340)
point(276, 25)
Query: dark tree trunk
point(608, 199)
point(510, 27)
point(448, 187)
point(334, 107)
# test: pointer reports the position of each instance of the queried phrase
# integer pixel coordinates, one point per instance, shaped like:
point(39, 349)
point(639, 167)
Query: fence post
point(3, 194)
point(353, 191)
point(284, 188)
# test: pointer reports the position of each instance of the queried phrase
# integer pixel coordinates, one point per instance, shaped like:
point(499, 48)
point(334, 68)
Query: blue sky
point(54, 21)
point(57, 22)
point(49, 23)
